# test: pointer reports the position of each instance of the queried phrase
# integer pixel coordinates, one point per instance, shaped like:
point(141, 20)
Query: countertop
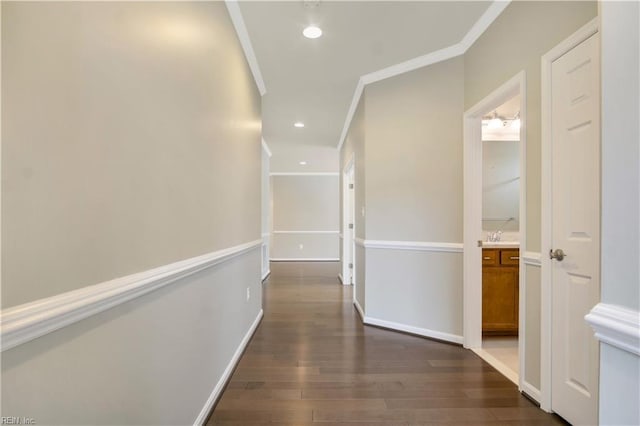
point(501, 244)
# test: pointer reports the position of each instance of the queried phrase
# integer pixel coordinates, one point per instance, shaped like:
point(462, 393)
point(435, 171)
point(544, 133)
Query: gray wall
point(516, 41)
point(414, 193)
point(121, 151)
point(620, 41)
point(413, 163)
point(304, 203)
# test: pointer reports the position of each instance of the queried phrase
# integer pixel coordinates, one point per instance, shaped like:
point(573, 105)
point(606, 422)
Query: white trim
point(217, 390)
point(413, 64)
point(355, 100)
point(304, 259)
point(266, 148)
point(545, 275)
point(266, 274)
point(481, 25)
point(243, 35)
point(447, 337)
point(359, 242)
point(531, 258)
point(341, 236)
point(340, 278)
point(472, 188)
point(304, 174)
point(414, 245)
point(497, 364)
point(617, 326)
point(531, 391)
point(266, 236)
point(29, 321)
point(359, 309)
point(306, 232)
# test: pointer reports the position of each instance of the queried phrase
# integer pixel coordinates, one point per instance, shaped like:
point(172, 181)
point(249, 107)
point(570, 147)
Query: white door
point(575, 187)
point(351, 229)
point(348, 227)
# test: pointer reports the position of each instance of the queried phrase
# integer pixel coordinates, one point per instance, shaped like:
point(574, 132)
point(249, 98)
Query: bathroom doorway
point(494, 217)
point(501, 235)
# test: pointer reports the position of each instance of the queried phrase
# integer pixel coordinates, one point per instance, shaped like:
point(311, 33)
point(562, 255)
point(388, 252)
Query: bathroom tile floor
point(503, 348)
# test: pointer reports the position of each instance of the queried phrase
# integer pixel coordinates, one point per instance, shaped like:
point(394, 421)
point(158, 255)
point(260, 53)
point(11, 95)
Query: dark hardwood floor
point(312, 361)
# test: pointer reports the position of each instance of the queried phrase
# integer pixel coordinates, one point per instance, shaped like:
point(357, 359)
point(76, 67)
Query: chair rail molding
point(414, 245)
point(617, 326)
point(31, 320)
point(306, 232)
point(532, 258)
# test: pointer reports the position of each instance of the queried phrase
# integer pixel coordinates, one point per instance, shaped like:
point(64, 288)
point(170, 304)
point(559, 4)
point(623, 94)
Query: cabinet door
point(500, 299)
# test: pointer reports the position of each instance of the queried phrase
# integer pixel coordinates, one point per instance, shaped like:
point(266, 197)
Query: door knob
point(557, 254)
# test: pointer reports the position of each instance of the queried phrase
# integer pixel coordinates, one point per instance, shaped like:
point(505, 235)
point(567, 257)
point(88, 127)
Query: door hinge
point(351, 226)
point(351, 266)
point(350, 186)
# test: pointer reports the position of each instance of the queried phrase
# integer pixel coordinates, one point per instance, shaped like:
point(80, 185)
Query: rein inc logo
point(11, 420)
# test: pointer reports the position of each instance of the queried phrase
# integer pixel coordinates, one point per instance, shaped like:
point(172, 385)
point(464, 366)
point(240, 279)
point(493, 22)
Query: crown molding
point(266, 148)
point(481, 25)
point(243, 35)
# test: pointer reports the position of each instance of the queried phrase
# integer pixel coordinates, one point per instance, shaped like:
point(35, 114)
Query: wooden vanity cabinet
point(500, 282)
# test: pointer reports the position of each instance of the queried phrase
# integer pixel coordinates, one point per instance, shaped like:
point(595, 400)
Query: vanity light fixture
point(312, 32)
point(495, 122)
point(298, 124)
point(303, 163)
point(515, 123)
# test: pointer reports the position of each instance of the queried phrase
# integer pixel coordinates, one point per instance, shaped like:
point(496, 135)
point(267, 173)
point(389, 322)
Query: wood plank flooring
point(312, 362)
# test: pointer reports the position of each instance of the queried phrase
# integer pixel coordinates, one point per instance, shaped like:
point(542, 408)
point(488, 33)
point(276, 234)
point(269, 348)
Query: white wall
point(130, 140)
point(305, 217)
point(620, 42)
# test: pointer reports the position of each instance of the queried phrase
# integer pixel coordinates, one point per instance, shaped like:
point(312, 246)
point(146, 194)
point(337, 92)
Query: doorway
point(348, 226)
point(494, 215)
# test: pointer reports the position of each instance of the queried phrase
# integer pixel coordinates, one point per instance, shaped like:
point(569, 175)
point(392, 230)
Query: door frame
point(348, 239)
point(472, 263)
point(589, 29)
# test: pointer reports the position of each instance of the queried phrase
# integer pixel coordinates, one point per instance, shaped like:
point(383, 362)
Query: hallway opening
point(311, 360)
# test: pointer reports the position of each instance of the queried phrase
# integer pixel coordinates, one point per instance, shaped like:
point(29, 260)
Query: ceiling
point(313, 80)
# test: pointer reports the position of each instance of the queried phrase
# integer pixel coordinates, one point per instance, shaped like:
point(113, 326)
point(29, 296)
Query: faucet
point(495, 236)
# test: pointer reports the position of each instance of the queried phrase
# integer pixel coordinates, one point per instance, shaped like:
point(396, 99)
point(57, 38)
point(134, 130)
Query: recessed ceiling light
point(303, 163)
point(312, 32)
point(298, 124)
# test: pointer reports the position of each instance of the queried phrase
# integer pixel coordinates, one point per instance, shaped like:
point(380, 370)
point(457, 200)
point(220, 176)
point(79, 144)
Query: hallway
point(312, 361)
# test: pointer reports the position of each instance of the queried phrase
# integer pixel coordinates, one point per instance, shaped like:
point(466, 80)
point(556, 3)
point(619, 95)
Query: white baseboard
point(531, 391)
point(29, 321)
point(497, 364)
point(217, 390)
point(359, 309)
point(439, 335)
point(266, 274)
point(304, 259)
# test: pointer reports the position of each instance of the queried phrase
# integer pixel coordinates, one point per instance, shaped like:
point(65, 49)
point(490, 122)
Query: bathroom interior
point(501, 234)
